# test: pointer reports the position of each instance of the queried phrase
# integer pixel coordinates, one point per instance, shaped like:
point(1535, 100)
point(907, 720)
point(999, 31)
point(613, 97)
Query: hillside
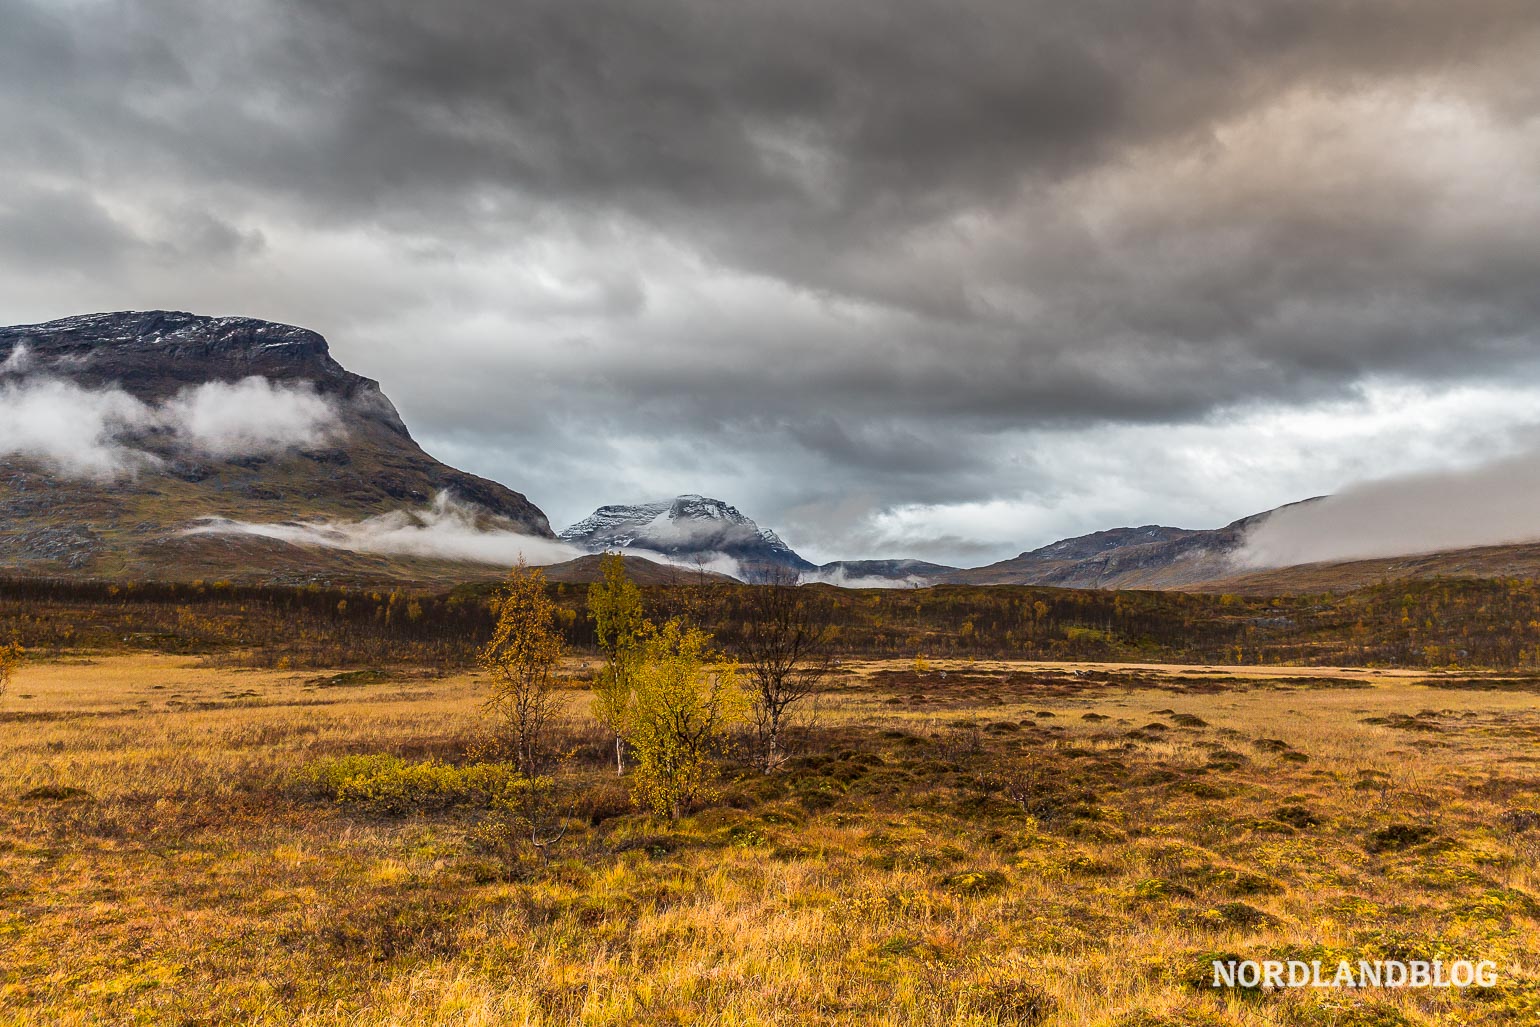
point(1519, 561)
point(1152, 556)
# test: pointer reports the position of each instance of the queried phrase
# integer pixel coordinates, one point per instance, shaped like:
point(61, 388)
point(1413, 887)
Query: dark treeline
point(1440, 623)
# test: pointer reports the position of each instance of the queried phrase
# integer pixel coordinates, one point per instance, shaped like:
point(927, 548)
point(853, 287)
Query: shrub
point(684, 703)
point(382, 783)
point(1296, 816)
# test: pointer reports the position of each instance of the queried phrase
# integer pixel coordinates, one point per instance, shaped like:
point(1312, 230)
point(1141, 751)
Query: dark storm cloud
point(872, 243)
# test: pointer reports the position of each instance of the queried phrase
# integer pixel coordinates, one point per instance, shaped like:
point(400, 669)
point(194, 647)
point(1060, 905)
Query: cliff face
point(195, 421)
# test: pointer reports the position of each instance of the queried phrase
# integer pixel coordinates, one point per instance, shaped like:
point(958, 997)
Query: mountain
point(1202, 560)
point(1152, 556)
point(693, 529)
point(121, 431)
point(167, 445)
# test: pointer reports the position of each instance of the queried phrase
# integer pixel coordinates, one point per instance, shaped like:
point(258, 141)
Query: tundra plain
point(956, 842)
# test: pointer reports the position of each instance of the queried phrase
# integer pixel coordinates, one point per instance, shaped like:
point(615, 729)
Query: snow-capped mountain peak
point(691, 526)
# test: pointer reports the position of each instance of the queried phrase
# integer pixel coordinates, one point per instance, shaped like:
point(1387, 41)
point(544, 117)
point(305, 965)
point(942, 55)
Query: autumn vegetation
point(613, 804)
point(1452, 622)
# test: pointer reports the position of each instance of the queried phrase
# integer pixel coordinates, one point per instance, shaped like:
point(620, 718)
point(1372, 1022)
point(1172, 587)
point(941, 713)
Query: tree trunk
point(773, 743)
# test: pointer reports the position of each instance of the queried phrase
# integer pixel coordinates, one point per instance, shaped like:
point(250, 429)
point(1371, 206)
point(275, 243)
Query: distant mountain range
point(1151, 556)
point(714, 534)
point(167, 445)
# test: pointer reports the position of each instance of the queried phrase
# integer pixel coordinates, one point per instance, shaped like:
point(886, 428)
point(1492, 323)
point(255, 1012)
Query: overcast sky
point(949, 278)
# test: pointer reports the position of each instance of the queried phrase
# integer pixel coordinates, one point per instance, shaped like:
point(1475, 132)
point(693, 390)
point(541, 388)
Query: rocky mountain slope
point(1151, 556)
point(177, 417)
point(689, 529)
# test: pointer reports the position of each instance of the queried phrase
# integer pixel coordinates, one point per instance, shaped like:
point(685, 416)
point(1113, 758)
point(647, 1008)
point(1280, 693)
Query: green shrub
point(388, 784)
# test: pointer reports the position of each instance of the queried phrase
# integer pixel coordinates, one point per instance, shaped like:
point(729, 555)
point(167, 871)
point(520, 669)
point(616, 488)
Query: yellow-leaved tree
point(521, 659)
point(615, 603)
point(684, 699)
point(10, 658)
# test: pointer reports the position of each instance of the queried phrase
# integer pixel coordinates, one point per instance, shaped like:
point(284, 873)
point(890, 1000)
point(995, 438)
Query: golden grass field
point(981, 843)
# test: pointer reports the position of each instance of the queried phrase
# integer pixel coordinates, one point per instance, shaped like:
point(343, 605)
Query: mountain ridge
point(145, 369)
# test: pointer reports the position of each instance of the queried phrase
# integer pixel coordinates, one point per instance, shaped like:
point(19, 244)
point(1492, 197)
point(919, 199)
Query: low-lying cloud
point(106, 433)
point(251, 416)
point(17, 361)
point(446, 530)
point(840, 578)
point(73, 431)
point(1494, 504)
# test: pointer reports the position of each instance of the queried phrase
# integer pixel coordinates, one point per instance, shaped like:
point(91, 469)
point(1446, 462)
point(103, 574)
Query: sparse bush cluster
point(383, 783)
point(668, 697)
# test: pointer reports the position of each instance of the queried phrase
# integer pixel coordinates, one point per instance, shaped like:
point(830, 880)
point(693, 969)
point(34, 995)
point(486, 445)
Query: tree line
point(1436, 623)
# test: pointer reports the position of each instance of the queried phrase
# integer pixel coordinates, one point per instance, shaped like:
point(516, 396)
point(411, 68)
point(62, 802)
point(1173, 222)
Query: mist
point(1494, 504)
point(840, 579)
point(445, 530)
point(106, 433)
point(251, 417)
point(73, 431)
point(16, 361)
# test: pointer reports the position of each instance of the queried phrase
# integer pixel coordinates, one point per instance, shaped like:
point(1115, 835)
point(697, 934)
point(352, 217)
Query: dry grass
point(1005, 844)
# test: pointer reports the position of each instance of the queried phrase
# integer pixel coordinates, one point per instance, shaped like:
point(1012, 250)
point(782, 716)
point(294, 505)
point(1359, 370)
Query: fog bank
point(1494, 504)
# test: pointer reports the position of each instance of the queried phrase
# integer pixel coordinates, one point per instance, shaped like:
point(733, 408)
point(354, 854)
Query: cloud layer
point(73, 431)
point(446, 530)
point(107, 433)
point(1491, 504)
point(853, 266)
point(250, 416)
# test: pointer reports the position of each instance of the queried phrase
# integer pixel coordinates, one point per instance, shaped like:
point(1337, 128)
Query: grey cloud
point(249, 417)
point(76, 432)
point(62, 228)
